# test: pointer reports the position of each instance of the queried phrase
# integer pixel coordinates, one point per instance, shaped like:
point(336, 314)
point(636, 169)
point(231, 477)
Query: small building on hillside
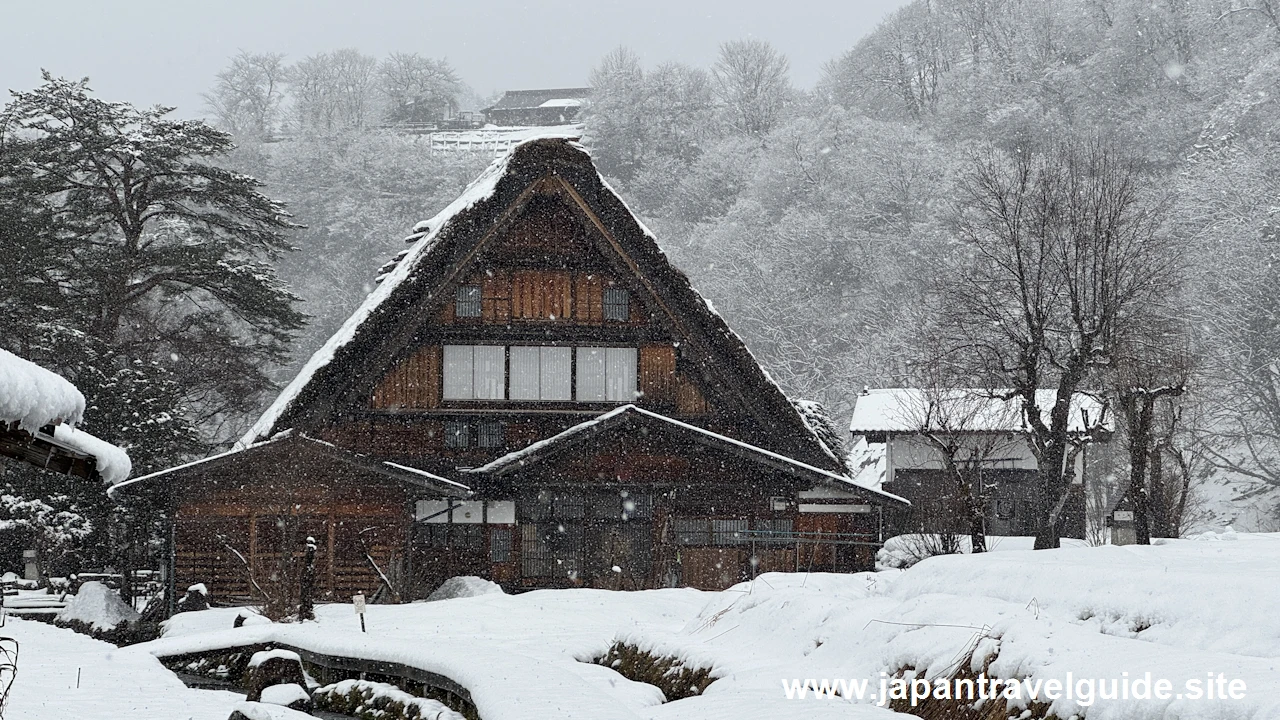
point(902, 437)
point(556, 106)
point(535, 395)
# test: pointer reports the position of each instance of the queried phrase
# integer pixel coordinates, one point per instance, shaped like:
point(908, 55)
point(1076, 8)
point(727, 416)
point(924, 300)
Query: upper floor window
point(541, 373)
point(606, 374)
point(550, 373)
point(475, 372)
point(467, 302)
point(617, 303)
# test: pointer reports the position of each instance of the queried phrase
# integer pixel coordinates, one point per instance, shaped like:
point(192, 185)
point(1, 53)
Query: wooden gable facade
point(582, 415)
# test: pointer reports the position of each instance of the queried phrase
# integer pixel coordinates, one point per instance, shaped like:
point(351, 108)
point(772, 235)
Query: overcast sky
point(168, 51)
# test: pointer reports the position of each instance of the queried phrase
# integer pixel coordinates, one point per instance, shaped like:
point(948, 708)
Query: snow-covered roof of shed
point(33, 396)
point(111, 462)
point(907, 410)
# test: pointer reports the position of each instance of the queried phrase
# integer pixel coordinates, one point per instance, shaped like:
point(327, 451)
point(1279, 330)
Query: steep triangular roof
point(443, 247)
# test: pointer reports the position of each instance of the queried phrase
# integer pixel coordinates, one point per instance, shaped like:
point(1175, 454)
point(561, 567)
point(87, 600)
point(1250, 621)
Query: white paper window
point(490, 372)
point(475, 372)
point(458, 373)
point(591, 374)
point(620, 374)
point(541, 373)
point(556, 378)
point(606, 374)
point(525, 373)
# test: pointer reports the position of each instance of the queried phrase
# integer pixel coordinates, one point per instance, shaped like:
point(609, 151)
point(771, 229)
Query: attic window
point(467, 303)
point(617, 304)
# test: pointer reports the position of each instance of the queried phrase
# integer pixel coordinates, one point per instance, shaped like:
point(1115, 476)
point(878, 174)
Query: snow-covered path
point(114, 682)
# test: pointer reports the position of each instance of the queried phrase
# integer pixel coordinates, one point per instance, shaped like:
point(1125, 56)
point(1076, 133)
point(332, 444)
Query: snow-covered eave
point(111, 462)
point(895, 412)
point(525, 455)
point(235, 450)
point(428, 475)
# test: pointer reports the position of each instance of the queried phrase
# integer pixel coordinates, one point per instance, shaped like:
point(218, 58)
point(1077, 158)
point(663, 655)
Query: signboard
point(1124, 516)
point(358, 601)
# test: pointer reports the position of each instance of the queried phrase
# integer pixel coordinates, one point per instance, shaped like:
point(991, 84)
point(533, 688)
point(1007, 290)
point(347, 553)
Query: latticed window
point(617, 304)
point(489, 435)
point(457, 434)
point(500, 544)
point(467, 303)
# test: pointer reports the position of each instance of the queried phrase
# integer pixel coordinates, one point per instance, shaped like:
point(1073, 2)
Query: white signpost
point(358, 601)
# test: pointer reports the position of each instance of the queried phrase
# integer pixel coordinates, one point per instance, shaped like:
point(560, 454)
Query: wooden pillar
point(329, 552)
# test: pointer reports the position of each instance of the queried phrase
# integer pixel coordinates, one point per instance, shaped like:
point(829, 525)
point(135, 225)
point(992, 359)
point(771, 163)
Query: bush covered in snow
point(267, 668)
point(97, 610)
point(676, 678)
point(379, 701)
point(464, 586)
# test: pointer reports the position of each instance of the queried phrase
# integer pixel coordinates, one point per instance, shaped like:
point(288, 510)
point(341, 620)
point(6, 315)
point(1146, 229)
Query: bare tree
point(750, 80)
point(246, 98)
point(1152, 366)
point(334, 90)
point(1065, 260)
point(967, 428)
point(416, 88)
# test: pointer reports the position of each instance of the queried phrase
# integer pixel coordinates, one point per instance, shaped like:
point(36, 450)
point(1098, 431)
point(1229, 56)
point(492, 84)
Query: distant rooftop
point(908, 410)
point(549, 97)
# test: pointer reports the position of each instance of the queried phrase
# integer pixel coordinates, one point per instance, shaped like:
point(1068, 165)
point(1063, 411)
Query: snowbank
point(34, 397)
point(63, 674)
point(463, 587)
point(1179, 611)
point(287, 695)
point(97, 606)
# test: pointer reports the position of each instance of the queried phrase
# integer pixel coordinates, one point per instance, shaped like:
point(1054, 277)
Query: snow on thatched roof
point(908, 410)
point(427, 232)
point(34, 397)
point(437, 243)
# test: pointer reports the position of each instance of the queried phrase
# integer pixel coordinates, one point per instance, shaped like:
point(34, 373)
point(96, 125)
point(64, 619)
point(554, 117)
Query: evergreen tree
point(137, 268)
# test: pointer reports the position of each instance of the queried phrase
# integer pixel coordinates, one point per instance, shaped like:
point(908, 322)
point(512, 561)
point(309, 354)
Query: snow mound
point(354, 696)
point(285, 694)
point(97, 606)
point(264, 655)
point(264, 711)
point(464, 586)
point(34, 397)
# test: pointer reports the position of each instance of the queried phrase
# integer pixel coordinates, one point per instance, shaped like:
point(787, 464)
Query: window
point(457, 434)
point(465, 433)
point(490, 435)
point(500, 544)
point(606, 374)
point(467, 302)
point(617, 304)
point(475, 372)
point(541, 373)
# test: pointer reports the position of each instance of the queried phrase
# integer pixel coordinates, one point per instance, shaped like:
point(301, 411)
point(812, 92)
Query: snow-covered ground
point(114, 683)
point(1179, 611)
